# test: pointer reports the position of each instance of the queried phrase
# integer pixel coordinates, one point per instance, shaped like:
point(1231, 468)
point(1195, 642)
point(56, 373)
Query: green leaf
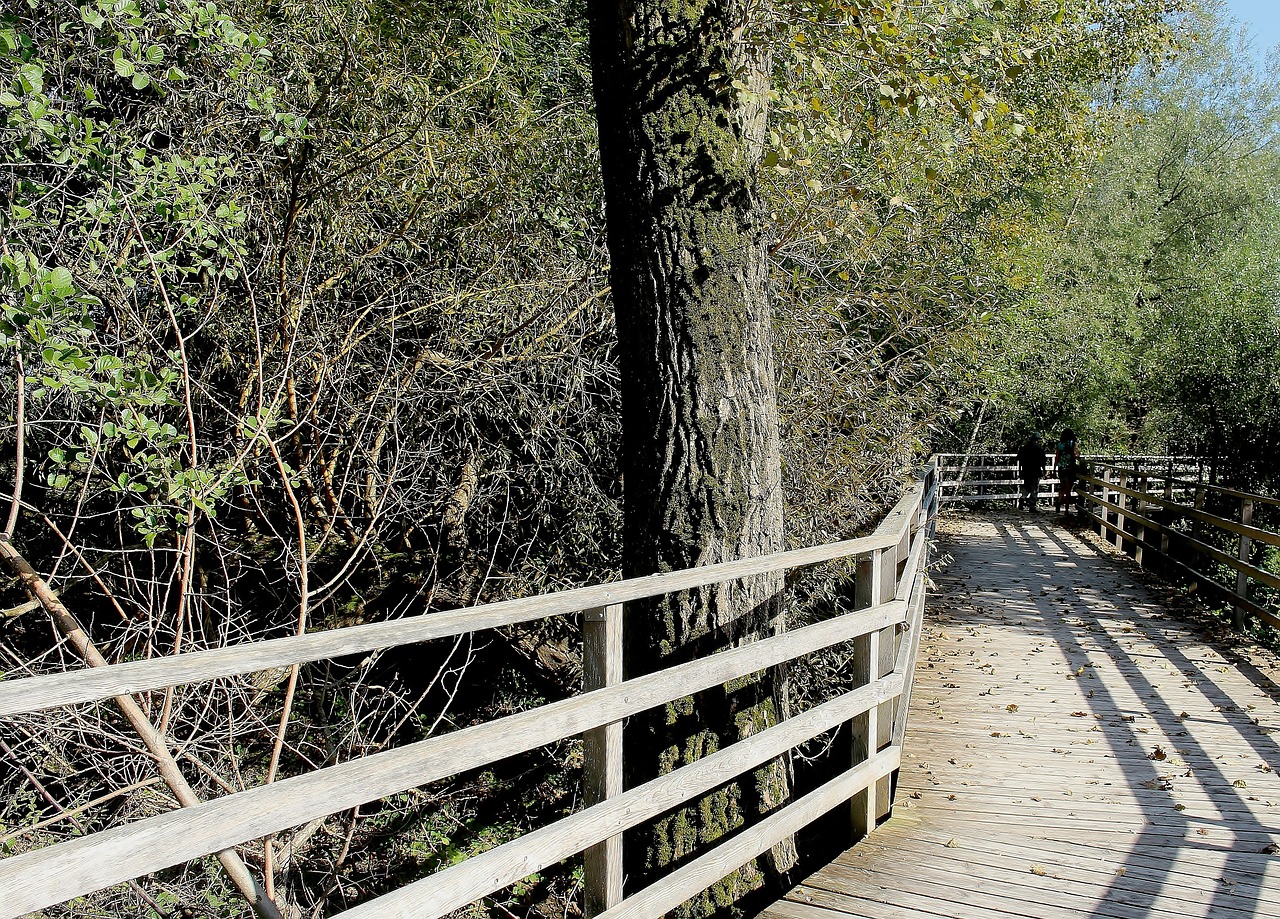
point(123, 67)
point(141, 80)
point(61, 282)
point(31, 76)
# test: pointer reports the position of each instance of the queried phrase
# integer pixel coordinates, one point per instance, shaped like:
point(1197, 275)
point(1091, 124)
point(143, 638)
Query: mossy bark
point(680, 144)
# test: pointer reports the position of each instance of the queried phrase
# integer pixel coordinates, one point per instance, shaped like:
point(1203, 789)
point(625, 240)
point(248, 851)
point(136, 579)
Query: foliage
point(1153, 322)
point(309, 307)
point(917, 147)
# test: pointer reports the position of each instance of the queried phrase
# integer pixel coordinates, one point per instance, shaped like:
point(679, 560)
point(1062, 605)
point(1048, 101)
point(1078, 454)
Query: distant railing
point(1148, 505)
point(984, 477)
point(884, 630)
point(1155, 527)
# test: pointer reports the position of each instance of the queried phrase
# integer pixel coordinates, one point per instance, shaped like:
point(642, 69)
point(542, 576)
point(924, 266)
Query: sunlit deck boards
point(1072, 751)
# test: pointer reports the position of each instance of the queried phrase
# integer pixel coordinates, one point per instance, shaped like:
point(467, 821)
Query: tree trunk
point(702, 484)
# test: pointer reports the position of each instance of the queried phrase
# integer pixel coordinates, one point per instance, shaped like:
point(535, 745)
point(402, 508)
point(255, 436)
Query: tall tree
point(681, 94)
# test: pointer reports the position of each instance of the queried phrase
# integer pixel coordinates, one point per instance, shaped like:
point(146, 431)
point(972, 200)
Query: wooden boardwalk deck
point(1073, 751)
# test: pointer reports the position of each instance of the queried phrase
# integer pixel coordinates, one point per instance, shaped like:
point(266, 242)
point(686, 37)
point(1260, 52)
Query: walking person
point(1067, 457)
point(1031, 462)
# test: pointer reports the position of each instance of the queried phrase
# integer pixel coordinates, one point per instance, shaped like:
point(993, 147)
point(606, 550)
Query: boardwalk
point(1073, 751)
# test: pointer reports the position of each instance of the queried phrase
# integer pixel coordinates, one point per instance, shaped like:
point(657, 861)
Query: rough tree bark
point(679, 144)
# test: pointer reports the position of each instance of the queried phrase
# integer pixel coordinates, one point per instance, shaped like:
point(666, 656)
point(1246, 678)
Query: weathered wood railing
point(1125, 507)
point(983, 477)
point(884, 629)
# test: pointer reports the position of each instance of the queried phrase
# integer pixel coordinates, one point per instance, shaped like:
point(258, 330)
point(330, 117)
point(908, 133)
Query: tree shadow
point(1085, 618)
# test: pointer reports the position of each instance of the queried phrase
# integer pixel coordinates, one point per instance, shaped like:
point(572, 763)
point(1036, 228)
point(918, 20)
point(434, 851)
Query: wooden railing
point(1154, 524)
point(983, 477)
point(884, 629)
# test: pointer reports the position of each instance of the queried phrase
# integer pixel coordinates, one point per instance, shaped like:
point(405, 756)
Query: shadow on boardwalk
point(1074, 750)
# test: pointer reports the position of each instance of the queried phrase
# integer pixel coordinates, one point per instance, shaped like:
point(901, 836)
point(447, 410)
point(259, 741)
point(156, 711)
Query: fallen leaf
point(1158, 754)
point(1011, 707)
point(953, 843)
point(1239, 783)
point(1038, 870)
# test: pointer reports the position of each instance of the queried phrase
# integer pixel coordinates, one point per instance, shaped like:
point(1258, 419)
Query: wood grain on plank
point(1129, 775)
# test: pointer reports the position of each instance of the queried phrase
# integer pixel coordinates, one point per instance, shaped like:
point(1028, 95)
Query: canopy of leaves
point(310, 305)
point(1152, 320)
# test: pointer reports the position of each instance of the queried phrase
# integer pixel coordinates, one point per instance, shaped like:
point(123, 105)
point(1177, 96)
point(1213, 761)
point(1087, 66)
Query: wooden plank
point(602, 755)
point(33, 694)
point(694, 877)
point(457, 886)
point(987, 857)
point(785, 909)
point(1270, 617)
point(836, 886)
point(1028, 893)
point(1097, 826)
point(1236, 866)
point(1240, 566)
point(1216, 489)
point(79, 866)
point(1232, 561)
point(898, 520)
point(915, 622)
point(1222, 523)
point(1094, 817)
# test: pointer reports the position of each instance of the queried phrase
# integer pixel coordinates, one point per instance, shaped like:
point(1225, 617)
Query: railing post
point(602, 754)
point(865, 729)
point(893, 561)
point(1142, 512)
point(1104, 512)
point(1196, 525)
point(1242, 579)
point(1122, 500)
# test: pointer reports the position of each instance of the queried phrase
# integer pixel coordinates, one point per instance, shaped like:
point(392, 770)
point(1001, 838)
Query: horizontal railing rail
point(1196, 486)
point(884, 627)
point(1137, 519)
point(995, 477)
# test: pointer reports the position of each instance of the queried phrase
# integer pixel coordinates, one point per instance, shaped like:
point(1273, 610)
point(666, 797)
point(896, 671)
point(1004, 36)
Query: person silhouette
point(1031, 462)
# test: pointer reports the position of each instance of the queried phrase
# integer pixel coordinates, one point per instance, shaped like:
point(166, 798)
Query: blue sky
point(1262, 16)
